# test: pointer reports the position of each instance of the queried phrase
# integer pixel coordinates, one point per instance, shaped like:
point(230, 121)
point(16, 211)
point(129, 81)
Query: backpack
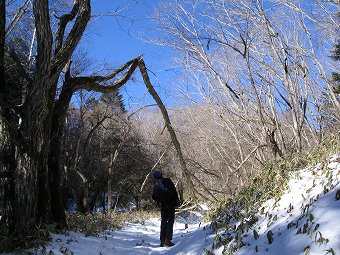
point(161, 191)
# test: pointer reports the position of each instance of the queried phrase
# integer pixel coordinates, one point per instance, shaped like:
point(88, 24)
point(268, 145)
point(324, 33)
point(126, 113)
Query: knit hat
point(157, 174)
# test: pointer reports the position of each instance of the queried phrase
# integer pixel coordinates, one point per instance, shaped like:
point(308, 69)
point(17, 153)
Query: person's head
point(157, 174)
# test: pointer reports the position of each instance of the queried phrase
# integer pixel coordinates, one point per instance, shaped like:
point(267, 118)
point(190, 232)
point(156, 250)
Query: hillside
point(304, 220)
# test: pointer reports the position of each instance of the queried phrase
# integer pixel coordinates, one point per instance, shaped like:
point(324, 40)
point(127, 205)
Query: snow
point(136, 239)
point(305, 220)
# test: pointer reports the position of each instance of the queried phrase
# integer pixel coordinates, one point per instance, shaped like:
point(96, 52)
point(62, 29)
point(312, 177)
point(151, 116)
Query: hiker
point(165, 194)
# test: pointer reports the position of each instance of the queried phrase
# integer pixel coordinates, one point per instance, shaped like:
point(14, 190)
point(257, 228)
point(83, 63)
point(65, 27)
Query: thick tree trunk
point(21, 164)
point(58, 121)
point(33, 144)
point(57, 208)
point(25, 205)
point(30, 199)
point(34, 189)
point(8, 163)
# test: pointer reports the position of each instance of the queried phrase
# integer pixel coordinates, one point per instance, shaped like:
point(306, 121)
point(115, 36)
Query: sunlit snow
point(307, 222)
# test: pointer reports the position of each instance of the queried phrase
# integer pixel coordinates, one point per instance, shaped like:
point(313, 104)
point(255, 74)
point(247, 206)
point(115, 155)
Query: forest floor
point(190, 236)
point(305, 220)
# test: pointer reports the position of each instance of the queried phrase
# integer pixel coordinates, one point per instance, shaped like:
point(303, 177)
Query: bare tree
point(102, 147)
point(260, 69)
point(34, 121)
point(255, 58)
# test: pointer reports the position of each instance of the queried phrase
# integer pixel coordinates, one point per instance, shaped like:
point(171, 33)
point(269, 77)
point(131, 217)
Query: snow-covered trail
point(304, 220)
point(135, 239)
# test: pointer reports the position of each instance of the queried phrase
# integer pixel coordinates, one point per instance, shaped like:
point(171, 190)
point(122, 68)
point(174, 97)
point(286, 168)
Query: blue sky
point(116, 40)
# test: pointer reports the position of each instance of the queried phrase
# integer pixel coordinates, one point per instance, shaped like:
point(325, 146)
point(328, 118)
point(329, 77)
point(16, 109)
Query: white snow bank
point(305, 220)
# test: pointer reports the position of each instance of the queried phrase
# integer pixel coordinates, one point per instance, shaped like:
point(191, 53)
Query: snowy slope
point(305, 220)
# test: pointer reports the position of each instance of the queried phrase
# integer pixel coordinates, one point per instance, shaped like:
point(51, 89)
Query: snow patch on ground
point(305, 220)
point(190, 235)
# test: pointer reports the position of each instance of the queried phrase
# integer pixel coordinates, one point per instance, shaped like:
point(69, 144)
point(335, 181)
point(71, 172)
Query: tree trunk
point(2, 47)
point(58, 122)
point(31, 200)
point(109, 192)
point(113, 158)
point(33, 187)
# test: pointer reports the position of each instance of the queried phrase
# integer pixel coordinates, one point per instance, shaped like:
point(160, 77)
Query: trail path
point(134, 239)
point(304, 220)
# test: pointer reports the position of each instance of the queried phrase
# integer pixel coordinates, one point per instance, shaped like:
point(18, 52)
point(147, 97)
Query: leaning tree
point(32, 121)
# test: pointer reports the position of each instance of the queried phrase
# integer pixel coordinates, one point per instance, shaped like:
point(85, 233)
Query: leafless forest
point(259, 82)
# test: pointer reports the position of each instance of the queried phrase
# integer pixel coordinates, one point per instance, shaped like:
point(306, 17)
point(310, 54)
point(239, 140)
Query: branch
point(64, 20)
point(87, 141)
point(159, 159)
point(249, 155)
point(204, 169)
point(44, 39)
point(92, 131)
point(133, 113)
point(72, 39)
point(93, 82)
point(205, 189)
point(166, 118)
point(285, 99)
point(224, 43)
point(68, 71)
point(17, 17)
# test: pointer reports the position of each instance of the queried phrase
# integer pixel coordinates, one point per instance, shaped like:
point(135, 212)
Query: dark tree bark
point(58, 122)
point(2, 45)
point(36, 174)
point(3, 86)
point(34, 129)
point(7, 149)
point(62, 54)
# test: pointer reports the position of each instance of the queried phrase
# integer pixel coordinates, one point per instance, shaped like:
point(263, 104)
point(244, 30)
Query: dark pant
point(167, 223)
